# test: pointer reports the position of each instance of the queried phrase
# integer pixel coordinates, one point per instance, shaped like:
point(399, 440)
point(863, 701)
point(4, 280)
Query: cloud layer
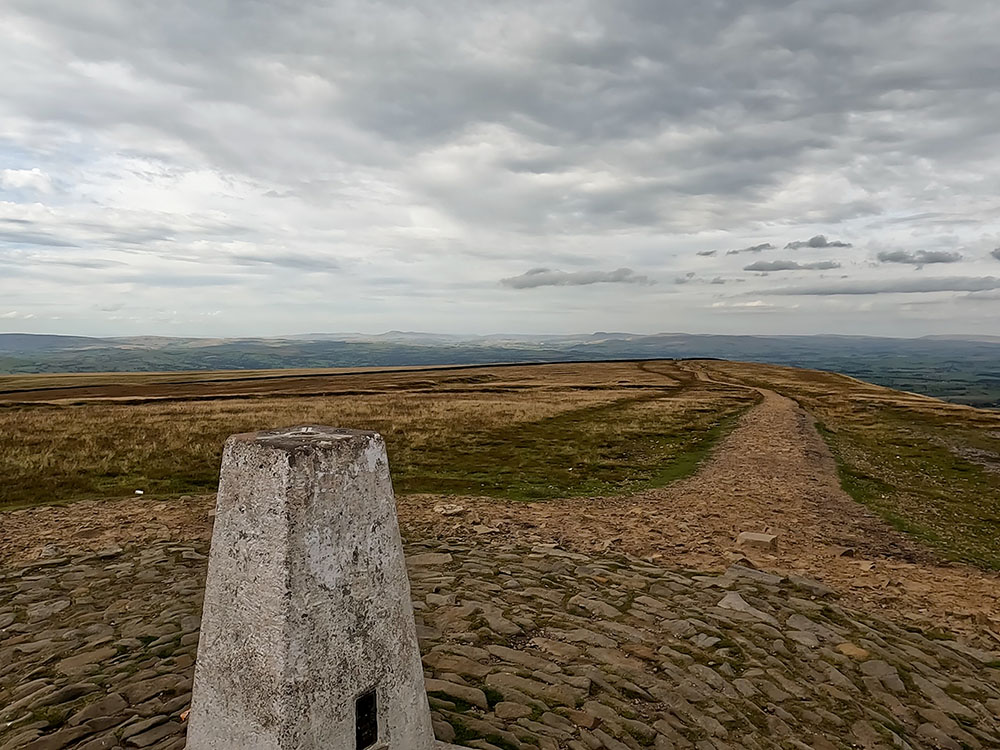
point(272, 168)
point(752, 249)
point(919, 258)
point(918, 286)
point(537, 277)
point(818, 241)
point(791, 265)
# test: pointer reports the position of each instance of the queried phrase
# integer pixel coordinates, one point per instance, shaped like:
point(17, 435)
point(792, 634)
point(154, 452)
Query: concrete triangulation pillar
point(308, 640)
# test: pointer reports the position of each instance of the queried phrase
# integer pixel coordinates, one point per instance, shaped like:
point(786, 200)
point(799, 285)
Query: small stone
point(941, 740)
point(583, 719)
point(810, 585)
point(57, 741)
point(428, 559)
point(556, 648)
point(443, 662)
point(806, 639)
point(78, 662)
point(850, 650)
point(752, 574)
point(142, 691)
point(757, 541)
point(108, 742)
point(141, 726)
point(737, 603)
point(510, 710)
point(878, 668)
point(593, 606)
point(155, 734)
point(471, 695)
point(44, 611)
point(67, 694)
point(443, 731)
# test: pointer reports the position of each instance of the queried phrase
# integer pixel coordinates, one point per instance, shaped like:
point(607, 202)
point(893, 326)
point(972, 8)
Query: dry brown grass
point(137, 387)
point(492, 430)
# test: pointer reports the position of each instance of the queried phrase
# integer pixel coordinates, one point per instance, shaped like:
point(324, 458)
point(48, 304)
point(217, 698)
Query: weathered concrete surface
point(307, 603)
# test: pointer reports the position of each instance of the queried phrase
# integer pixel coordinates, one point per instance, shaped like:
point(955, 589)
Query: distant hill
point(969, 337)
point(25, 343)
point(964, 369)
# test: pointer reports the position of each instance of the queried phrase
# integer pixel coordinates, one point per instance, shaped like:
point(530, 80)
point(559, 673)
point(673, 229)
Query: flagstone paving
point(523, 648)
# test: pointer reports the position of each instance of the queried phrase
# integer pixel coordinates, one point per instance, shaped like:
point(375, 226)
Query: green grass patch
point(627, 445)
point(909, 468)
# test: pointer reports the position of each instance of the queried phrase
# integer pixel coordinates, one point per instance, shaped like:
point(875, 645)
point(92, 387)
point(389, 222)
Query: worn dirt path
point(772, 474)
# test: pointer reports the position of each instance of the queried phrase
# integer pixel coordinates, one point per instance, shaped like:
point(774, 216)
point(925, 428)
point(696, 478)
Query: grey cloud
point(996, 253)
point(706, 253)
point(537, 277)
point(37, 238)
point(916, 286)
point(819, 241)
point(153, 279)
point(919, 258)
point(791, 265)
point(83, 263)
point(752, 249)
point(379, 87)
point(295, 261)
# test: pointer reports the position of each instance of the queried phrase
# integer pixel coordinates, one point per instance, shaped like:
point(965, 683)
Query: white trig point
point(308, 640)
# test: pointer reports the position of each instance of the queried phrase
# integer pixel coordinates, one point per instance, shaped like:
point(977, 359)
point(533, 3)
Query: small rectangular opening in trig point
point(366, 720)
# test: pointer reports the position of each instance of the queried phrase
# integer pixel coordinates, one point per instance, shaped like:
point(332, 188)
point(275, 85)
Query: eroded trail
point(773, 474)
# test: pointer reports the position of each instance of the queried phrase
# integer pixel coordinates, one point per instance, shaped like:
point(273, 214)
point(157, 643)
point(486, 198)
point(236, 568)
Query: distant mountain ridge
point(961, 368)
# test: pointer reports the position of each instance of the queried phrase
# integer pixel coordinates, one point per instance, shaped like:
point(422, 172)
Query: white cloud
point(756, 304)
point(21, 179)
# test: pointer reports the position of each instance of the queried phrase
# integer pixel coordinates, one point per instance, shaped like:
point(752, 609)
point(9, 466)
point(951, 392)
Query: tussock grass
point(525, 433)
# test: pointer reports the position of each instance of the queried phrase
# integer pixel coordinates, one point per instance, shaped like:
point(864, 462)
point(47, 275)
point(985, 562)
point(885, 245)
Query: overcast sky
point(287, 166)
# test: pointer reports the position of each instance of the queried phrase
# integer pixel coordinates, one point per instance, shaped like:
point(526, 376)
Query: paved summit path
point(772, 473)
point(534, 648)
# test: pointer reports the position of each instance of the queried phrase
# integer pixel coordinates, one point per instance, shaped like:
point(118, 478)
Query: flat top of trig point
point(302, 435)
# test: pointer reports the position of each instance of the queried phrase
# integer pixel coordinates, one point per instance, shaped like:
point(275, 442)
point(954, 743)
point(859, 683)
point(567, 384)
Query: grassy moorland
point(517, 432)
point(930, 468)
point(955, 368)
